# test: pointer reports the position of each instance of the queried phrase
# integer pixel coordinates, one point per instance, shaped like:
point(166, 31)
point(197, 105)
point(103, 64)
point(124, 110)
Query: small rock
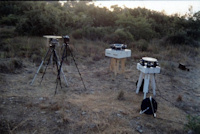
point(83, 113)
point(139, 129)
point(92, 92)
point(41, 98)
point(57, 112)
point(92, 126)
point(43, 112)
point(59, 121)
point(138, 118)
point(119, 115)
point(67, 111)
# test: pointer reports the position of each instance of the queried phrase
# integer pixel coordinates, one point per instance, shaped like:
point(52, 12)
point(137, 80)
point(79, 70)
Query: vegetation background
point(171, 39)
point(84, 20)
point(137, 27)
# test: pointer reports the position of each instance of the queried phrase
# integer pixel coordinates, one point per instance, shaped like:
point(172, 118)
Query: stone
point(139, 129)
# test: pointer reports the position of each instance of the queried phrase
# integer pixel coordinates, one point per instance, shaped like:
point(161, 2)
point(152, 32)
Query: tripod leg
point(46, 68)
point(153, 84)
point(146, 84)
point(64, 76)
point(60, 64)
point(139, 83)
point(40, 67)
point(58, 70)
point(63, 56)
point(154, 114)
point(76, 67)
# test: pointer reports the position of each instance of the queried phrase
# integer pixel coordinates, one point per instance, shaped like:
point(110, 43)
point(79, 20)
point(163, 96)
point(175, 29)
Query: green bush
point(10, 65)
point(119, 36)
point(193, 124)
point(7, 32)
point(181, 39)
point(92, 33)
point(77, 34)
point(142, 45)
point(10, 20)
point(23, 47)
point(194, 34)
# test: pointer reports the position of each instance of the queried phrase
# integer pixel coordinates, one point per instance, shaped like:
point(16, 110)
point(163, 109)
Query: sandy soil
point(34, 109)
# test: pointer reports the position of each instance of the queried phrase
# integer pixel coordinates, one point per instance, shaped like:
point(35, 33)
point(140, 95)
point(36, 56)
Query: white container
point(118, 53)
point(150, 70)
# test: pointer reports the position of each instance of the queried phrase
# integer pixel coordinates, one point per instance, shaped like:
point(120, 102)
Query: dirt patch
point(35, 109)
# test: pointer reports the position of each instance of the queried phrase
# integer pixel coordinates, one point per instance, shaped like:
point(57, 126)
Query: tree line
point(83, 20)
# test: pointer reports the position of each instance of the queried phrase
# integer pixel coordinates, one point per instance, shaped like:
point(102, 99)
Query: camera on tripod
point(66, 39)
point(149, 62)
point(53, 42)
point(118, 46)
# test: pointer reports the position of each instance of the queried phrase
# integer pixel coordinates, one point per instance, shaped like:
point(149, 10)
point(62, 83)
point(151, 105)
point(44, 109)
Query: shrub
point(142, 45)
point(95, 33)
point(10, 65)
point(23, 47)
point(194, 34)
point(181, 39)
point(119, 36)
point(10, 20)
point(193, 124)
point(91, 33)
point(2, 79)
point(77, 34)
point(7, 32)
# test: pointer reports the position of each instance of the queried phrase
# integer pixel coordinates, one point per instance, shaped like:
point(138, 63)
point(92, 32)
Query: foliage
point(142, 45)
point(181, 39)
point(83, 20)
point(22, 47)
point(10, 65)
point(193, 124)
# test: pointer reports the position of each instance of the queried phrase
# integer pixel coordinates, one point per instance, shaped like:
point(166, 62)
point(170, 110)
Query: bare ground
point(35, 109)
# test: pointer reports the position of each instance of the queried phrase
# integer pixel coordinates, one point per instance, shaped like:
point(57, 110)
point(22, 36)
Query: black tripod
point(55, 60)
point(67, 49)
point(52, 55)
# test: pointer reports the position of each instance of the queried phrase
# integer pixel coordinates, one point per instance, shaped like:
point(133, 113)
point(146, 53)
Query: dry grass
point(97, 110)
point(10, 65)
point(93, 112)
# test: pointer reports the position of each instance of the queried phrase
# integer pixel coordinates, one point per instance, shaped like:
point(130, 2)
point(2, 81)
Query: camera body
point(53, 42)
point(118, 46)
point(149, 62)
point(66, 39)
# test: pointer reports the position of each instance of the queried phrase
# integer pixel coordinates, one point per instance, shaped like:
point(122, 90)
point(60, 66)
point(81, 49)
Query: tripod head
point(53, 42)
point(66, 39)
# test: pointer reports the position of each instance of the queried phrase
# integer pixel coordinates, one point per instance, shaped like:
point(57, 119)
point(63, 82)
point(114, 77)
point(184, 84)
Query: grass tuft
point(193, 124)
point(179, 98)
point(121, 95)
point(10, 65)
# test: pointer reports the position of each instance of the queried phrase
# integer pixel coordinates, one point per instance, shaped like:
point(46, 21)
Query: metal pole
point(40, 67)
point(37, 72)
